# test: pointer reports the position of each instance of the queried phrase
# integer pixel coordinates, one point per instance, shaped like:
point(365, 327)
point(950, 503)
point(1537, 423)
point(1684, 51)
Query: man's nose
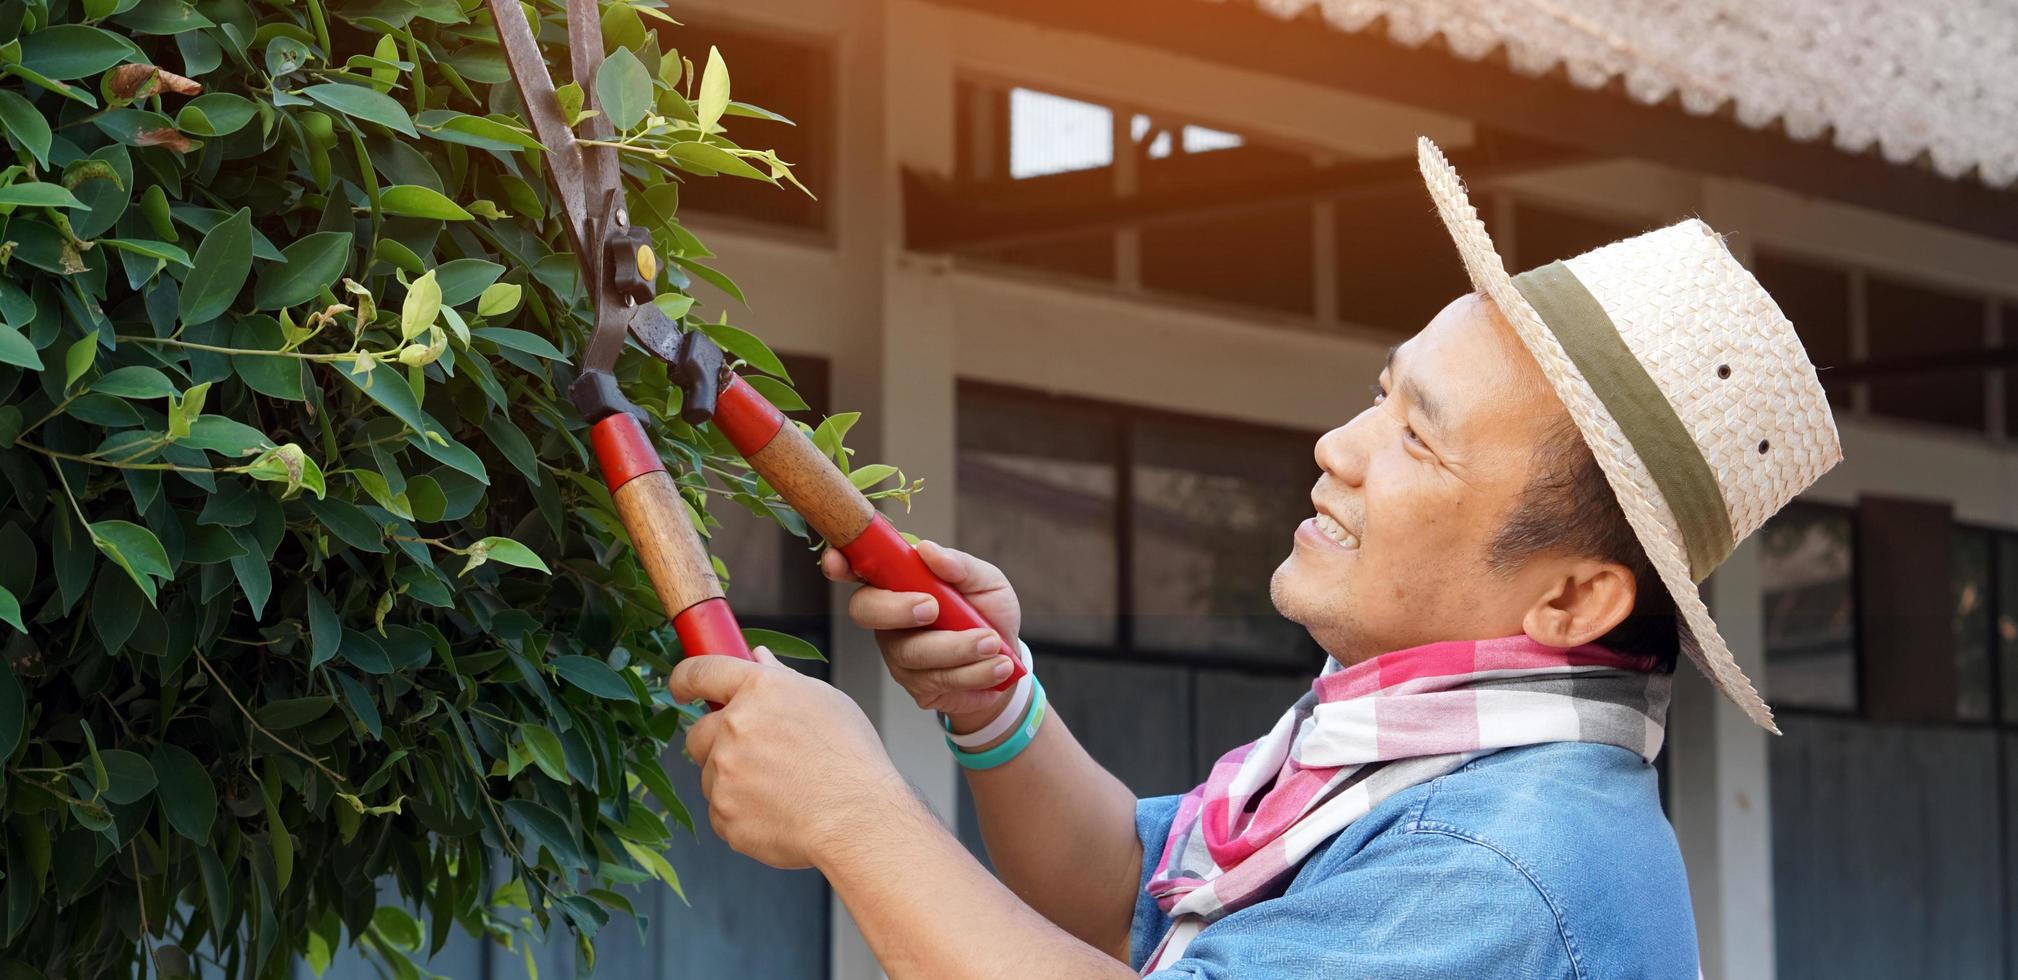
point(1341, 453)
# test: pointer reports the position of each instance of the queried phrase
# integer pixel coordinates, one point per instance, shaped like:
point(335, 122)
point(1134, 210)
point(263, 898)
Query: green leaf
point(415, 201)
point(656, 863)
point(870, 475)
point(281, 841)
point(293, 712)
point(73, 51)
point(714, 91)
point(593, 676)
point(222, 263)
point(783, 645)
point(325, 630)
point(10, 612)
point(779, 394)
point(79, 358)
point(519, 340)
point(745, 345)
point(151, 249)
point(421, 308)
point(18, 350)
point(711, 159)
point(313, 263)
point(545, 828)
point(13, 710)
point(397, 926)
point(624, 89)
point(359, 698)
point(23, 124)
point(130, 777)
point(463, 279)
point(37, 194)
point(485, 134)
point(504, 551)
point(363, 103)
point(498, 299)
point(135, 549)
point(188, 797)
point(215, 114)
point(545, 748)
point(223, 435)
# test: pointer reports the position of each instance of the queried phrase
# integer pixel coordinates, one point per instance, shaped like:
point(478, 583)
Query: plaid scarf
point(1369, 731)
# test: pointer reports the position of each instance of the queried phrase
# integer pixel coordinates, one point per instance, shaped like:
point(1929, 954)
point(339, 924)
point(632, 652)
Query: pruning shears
point(619, 267)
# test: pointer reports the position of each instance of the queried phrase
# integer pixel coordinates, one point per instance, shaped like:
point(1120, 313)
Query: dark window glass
point(2007, 622)
point(1817, 299)
point(1909, 322)
point(1543, 235)
point(1212, 509)
point(793, 78)
point(1254, 258)
point(1396, 266)
point(1971, 624)
point(1038, 480)
point(1805, 567)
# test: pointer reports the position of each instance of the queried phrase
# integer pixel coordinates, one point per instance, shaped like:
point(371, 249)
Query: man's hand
point(789, 765)
point(951, 672)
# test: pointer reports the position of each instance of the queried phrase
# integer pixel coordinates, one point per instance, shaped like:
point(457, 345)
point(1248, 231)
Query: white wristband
point(1019, 699)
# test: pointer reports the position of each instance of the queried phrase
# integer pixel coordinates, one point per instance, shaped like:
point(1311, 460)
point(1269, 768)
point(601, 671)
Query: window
point(1908, 321)
point(1038, 486)
point(1051, 134)
point(1817, 299)
point(1971, 623)
point(793, 78)
point(1212, 508)
point(1141, 545)
point(1805, 567)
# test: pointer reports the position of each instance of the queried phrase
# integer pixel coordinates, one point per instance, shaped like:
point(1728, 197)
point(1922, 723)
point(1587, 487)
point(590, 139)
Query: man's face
point(1414, 488)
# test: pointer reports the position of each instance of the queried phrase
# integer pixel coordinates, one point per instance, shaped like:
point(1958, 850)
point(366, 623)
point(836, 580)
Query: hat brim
point(1638, 497)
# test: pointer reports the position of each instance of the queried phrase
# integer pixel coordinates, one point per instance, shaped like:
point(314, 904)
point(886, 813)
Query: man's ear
point(1585, 599)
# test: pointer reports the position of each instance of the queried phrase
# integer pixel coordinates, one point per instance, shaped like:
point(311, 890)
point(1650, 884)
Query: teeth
point(1336, 531)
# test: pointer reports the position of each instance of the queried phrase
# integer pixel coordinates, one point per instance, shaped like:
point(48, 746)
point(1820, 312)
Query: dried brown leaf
point(134, 82)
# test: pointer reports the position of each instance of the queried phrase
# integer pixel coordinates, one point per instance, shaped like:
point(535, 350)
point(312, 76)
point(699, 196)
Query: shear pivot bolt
point(648, 264)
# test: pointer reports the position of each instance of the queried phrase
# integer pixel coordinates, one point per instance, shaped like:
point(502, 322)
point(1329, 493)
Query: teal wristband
point(1025, 733)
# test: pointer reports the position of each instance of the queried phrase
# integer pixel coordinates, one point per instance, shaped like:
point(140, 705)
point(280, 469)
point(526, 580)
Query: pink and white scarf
point(1369, 731)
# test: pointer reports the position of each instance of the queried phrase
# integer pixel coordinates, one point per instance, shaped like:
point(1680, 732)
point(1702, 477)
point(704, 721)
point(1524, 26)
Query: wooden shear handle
point(831, 505)
point(649, 504)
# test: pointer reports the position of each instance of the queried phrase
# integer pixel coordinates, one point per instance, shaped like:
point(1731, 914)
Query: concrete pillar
point(893, 353)
point(1721, 800)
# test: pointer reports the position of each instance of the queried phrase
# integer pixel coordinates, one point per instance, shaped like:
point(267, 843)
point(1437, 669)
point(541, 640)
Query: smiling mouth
point(1331, 528)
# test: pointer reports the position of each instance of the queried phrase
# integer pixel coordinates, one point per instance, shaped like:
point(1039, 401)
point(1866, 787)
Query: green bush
point(308, 578)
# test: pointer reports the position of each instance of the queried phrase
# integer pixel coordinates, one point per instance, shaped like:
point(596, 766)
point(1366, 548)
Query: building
point(1100, 271)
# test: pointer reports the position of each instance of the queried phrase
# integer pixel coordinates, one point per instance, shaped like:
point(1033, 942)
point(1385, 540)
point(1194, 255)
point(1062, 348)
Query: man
point(1503, 566)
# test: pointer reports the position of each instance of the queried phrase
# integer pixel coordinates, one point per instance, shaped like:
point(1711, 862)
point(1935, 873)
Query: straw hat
point(1686, 381)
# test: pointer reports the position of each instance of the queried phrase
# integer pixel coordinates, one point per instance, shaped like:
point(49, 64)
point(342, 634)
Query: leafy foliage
point(308, 581)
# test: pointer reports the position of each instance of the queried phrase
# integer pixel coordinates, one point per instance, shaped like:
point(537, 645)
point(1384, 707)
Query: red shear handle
point(823, 495)
point(668, 547)
point(885, 560)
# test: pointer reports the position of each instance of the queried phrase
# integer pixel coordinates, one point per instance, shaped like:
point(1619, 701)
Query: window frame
point(1124, 417)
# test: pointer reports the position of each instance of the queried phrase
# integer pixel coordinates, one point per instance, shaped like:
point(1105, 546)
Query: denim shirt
point(1544, 861)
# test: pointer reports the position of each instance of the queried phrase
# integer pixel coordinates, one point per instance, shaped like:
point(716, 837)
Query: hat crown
point(1726, 358)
